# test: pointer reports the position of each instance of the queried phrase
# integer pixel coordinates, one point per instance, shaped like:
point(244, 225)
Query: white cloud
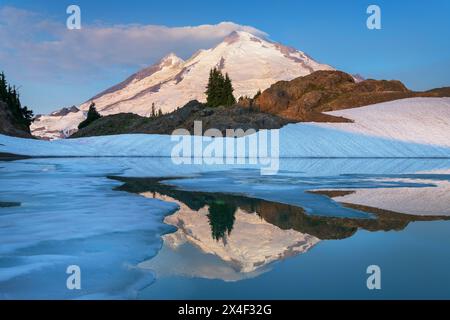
point(38, 48)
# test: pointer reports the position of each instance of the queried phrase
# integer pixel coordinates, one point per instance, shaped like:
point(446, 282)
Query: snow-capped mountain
point(253, 64)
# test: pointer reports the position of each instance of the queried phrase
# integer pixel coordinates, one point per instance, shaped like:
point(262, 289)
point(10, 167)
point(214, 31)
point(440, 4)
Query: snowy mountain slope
point(57, 125)
point(253, 64)
point(416, 127)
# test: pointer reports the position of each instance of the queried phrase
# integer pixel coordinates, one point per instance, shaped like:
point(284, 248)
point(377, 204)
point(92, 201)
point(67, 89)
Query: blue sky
point(413, 45)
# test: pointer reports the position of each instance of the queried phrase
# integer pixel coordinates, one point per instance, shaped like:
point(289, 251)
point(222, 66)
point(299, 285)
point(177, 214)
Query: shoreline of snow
point(408, 128)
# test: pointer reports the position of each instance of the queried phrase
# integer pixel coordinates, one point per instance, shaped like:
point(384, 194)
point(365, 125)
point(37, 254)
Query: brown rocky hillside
point(221, 118)
point(306, 98)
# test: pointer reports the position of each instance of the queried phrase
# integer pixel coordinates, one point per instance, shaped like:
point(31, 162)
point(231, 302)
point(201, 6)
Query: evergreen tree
point(91, 117)
point(3, 87)
point(28, 115)
point(228, 92)
point(219, 91)
point(22, 116)
point(153, 110)
point(212, 89)
point(160, 113)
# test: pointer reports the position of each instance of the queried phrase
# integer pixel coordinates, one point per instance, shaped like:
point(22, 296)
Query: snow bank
point(418, 120)
point(417, 127)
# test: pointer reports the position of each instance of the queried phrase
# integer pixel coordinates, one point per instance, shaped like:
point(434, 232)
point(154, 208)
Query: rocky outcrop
point(9, 126)
point(306, 98)
point(220, 118)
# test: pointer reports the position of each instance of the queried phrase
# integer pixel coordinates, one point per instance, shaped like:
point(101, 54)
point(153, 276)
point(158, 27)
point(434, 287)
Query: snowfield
point(418, 120)
point(416, 127)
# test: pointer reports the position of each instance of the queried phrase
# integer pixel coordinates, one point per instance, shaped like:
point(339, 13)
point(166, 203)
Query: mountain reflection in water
point(233, 237)
point(223, 206)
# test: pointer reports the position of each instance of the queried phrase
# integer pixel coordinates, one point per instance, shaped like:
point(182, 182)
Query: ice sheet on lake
point(69, 215)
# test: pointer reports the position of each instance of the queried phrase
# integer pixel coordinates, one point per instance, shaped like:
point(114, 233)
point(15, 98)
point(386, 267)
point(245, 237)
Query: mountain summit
point(253, 64)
